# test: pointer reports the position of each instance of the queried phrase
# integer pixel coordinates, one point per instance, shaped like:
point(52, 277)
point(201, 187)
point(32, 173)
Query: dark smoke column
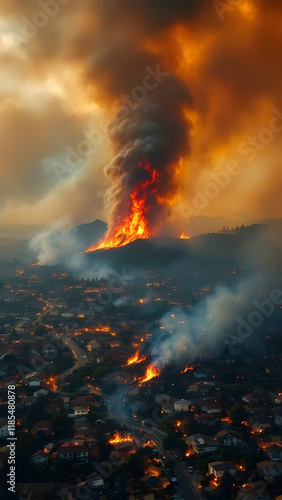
point(150, 143)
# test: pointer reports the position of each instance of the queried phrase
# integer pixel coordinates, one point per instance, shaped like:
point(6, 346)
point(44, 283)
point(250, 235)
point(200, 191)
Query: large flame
point(136, 358)
point(135, 224)
point(151, 372)
point(184, 236)
point(118, 438)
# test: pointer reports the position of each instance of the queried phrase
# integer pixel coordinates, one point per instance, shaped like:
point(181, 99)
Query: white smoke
point(58, 245)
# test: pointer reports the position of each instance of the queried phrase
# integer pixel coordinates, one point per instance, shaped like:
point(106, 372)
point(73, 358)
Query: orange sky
point(63, 81)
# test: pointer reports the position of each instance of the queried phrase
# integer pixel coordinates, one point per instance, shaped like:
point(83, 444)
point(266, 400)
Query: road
point(116, 407)
point(77, 352)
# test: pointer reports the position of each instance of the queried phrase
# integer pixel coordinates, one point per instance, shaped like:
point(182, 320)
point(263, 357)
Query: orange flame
point(151, 373)
point(51, 382)
point(135, 224)
point(184, 236)
point(118, 438)
point(136, 358)
point(187, 368)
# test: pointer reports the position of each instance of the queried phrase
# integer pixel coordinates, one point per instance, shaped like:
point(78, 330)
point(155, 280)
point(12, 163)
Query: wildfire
point(118, 438)
point(187, 454)
point(187, 368)
point(184, 236)
point(51, 382)
point(151, 373)
point(214, 482)
point(136, 358)
point(134, 225)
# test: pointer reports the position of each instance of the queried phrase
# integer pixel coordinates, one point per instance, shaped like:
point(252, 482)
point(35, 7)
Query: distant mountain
point(203, 225)
point(208, 249)
point(89, 233)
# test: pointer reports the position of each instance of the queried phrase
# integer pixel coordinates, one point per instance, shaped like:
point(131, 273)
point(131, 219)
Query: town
point(91, 420)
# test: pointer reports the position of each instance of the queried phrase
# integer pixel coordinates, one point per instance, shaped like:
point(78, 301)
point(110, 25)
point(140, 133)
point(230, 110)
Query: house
point(55, 405)
point(122, 449)
point(182, 405)
point(40, 458)
point(210, 407)
point(86, 489)
point(42, 426)
point(40, 392)
point(73, 451)
point(259, 423)
point(49, 351)
point(200, 388)
point(269, 469)
point(200, 444)
point(208, 419)
point(253, 491)
point(229, 438)
point(4, 432)
point(34, 379)
point(274, 452)
point(218, 468)
point(168, 407)
point(258, 396)
point(80, 410)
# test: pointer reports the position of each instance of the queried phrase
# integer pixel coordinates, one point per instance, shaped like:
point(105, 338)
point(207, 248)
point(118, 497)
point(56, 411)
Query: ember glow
point(184, 236)
point(187, 368)
point(136, 358)
point(118, 438)
point(134, 224)
point(151, 372)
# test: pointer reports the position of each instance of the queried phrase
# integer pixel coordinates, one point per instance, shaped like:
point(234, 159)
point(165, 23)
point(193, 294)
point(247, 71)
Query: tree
point(135, 465)
point(226, 485)
point(238, 413)
point(40, 330)
point(202, 466)
point(61, 422)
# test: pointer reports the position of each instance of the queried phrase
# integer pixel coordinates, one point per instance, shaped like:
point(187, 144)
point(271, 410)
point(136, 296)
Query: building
point(73, 451)
point(274, 452)
point(182, 405)
point(200, 444)
point(211, 407)
point(80, 410)
point(229, 438)
point(208, 419)
point(253, 491)
point(42, 426)
point(269, 469)
point(219, 468)
point(40, 458)
point(34, 379)
point(259, 423)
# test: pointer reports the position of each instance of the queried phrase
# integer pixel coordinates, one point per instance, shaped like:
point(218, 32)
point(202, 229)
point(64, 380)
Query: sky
point(77, 78)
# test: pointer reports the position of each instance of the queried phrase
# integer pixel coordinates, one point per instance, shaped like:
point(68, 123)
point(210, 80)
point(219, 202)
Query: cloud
point(91, 53)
